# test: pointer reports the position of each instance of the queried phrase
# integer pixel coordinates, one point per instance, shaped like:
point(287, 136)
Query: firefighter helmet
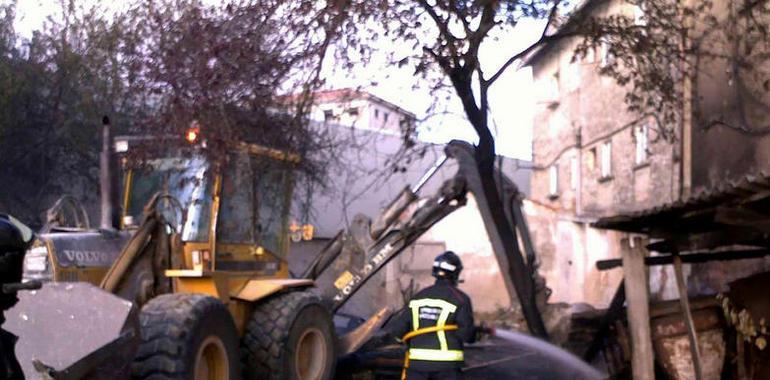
point(447, 265)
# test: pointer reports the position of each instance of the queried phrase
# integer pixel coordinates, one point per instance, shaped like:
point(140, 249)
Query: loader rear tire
point(290, 336)
point(186, 337)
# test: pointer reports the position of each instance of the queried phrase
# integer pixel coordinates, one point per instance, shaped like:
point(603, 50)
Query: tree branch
point(523, 53)
point(443, 30)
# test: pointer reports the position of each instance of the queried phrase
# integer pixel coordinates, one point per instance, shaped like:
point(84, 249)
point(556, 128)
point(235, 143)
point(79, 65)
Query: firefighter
point(435, 324)
point(15, 237)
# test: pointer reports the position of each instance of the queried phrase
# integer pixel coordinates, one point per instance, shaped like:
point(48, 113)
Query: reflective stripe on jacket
point(436, 311)
point(436, 306)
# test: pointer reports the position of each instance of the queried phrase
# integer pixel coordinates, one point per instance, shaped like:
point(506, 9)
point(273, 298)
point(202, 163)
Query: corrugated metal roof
point(722, 194)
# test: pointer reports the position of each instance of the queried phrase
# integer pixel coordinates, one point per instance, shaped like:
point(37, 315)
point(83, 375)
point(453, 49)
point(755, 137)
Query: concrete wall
point(463, 232)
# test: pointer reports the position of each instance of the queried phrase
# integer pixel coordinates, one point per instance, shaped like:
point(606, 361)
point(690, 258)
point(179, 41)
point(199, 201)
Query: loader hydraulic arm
point(354, 256)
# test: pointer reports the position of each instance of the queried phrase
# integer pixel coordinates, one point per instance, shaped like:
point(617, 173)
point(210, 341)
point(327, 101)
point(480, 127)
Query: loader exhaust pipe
point(105, 178)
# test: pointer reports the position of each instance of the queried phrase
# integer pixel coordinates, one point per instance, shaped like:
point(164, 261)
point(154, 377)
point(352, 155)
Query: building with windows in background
point(594, 158)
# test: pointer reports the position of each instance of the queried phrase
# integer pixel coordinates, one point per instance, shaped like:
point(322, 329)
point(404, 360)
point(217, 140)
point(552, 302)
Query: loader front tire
point(186, 337)
point(290, 336)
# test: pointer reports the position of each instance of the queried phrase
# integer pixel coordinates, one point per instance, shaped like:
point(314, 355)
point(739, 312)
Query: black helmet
point(447, 265)
point(14, 240)
point(14, 236)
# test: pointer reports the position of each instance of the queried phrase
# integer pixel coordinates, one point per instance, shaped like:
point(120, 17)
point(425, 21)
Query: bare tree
point(656, 51)
point(156, 67)
point(446, 37)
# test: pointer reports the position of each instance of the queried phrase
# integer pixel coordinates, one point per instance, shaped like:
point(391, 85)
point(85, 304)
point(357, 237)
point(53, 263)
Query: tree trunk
point(522, 278)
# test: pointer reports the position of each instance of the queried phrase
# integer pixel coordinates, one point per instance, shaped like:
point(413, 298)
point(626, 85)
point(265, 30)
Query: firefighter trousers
point(453, 374)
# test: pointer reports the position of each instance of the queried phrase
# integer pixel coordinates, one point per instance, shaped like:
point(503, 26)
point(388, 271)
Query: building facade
point(593, 158)
point(361, 110)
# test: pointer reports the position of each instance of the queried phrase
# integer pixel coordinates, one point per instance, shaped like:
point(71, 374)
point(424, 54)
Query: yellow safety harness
point(443, 354)
point(426, 330)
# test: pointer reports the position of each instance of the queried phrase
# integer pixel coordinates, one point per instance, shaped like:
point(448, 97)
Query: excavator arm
point(355, 256)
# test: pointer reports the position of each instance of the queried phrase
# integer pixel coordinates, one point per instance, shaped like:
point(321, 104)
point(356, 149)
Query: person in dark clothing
point(15, 238)
point(436, 323)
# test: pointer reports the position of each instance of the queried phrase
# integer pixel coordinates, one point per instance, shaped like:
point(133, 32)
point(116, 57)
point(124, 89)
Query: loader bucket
point(73, 331)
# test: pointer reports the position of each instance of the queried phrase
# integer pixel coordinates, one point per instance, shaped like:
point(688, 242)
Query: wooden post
point(684, 302)
point(637, 295)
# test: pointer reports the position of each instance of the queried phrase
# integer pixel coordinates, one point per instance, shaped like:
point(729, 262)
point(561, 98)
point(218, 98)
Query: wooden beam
point(687, 242)
point(687, 315)
point(690, 258)
point(638, 313)
point(742, 217)
point(612, 314)
point(759, 196)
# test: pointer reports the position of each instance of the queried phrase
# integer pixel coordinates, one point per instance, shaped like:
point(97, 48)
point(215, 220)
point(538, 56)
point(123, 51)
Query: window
point(273, 189)
point(573, 173)
point(376, 113)
point(607, 58)
point(556, 83)
point(328, 115)
point(553, 180)
point(353, 111)
point(187, 180)
point(640, 135)
point(549, 88)
point(591, 159)
point(572, 76)
point(605, 153)
point(236, 219)
point(385, 116)
point(639, 14)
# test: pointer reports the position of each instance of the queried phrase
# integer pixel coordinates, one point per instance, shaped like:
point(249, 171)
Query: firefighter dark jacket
point(438, 305)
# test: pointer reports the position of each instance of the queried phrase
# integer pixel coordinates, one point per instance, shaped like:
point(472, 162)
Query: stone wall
point(568, 251)
point(578, 111)
point(732, 105)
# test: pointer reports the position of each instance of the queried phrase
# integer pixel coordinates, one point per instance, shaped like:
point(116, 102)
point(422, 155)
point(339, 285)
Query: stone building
point(593, 158)
point(590, 160)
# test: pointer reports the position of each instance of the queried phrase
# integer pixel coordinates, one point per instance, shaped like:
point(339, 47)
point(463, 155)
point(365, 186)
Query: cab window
point(236, 212)
point(272, 182)
point(185, 179)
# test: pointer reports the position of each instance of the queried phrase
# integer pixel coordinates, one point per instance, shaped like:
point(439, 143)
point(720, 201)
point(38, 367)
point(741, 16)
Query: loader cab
point(230, 210)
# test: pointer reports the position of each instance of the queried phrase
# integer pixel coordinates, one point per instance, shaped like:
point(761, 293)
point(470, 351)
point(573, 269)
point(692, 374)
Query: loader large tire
point(186, 337)
point(290, 336)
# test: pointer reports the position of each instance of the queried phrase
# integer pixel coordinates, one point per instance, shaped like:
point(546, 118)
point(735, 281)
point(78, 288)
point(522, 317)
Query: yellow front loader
point(201, 253)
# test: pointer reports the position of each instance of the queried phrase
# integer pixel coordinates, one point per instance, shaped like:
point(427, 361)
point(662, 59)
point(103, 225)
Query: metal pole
point(425, 177)
point(105, 185)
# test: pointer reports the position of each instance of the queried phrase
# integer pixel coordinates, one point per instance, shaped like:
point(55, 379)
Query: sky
point(511, 102)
